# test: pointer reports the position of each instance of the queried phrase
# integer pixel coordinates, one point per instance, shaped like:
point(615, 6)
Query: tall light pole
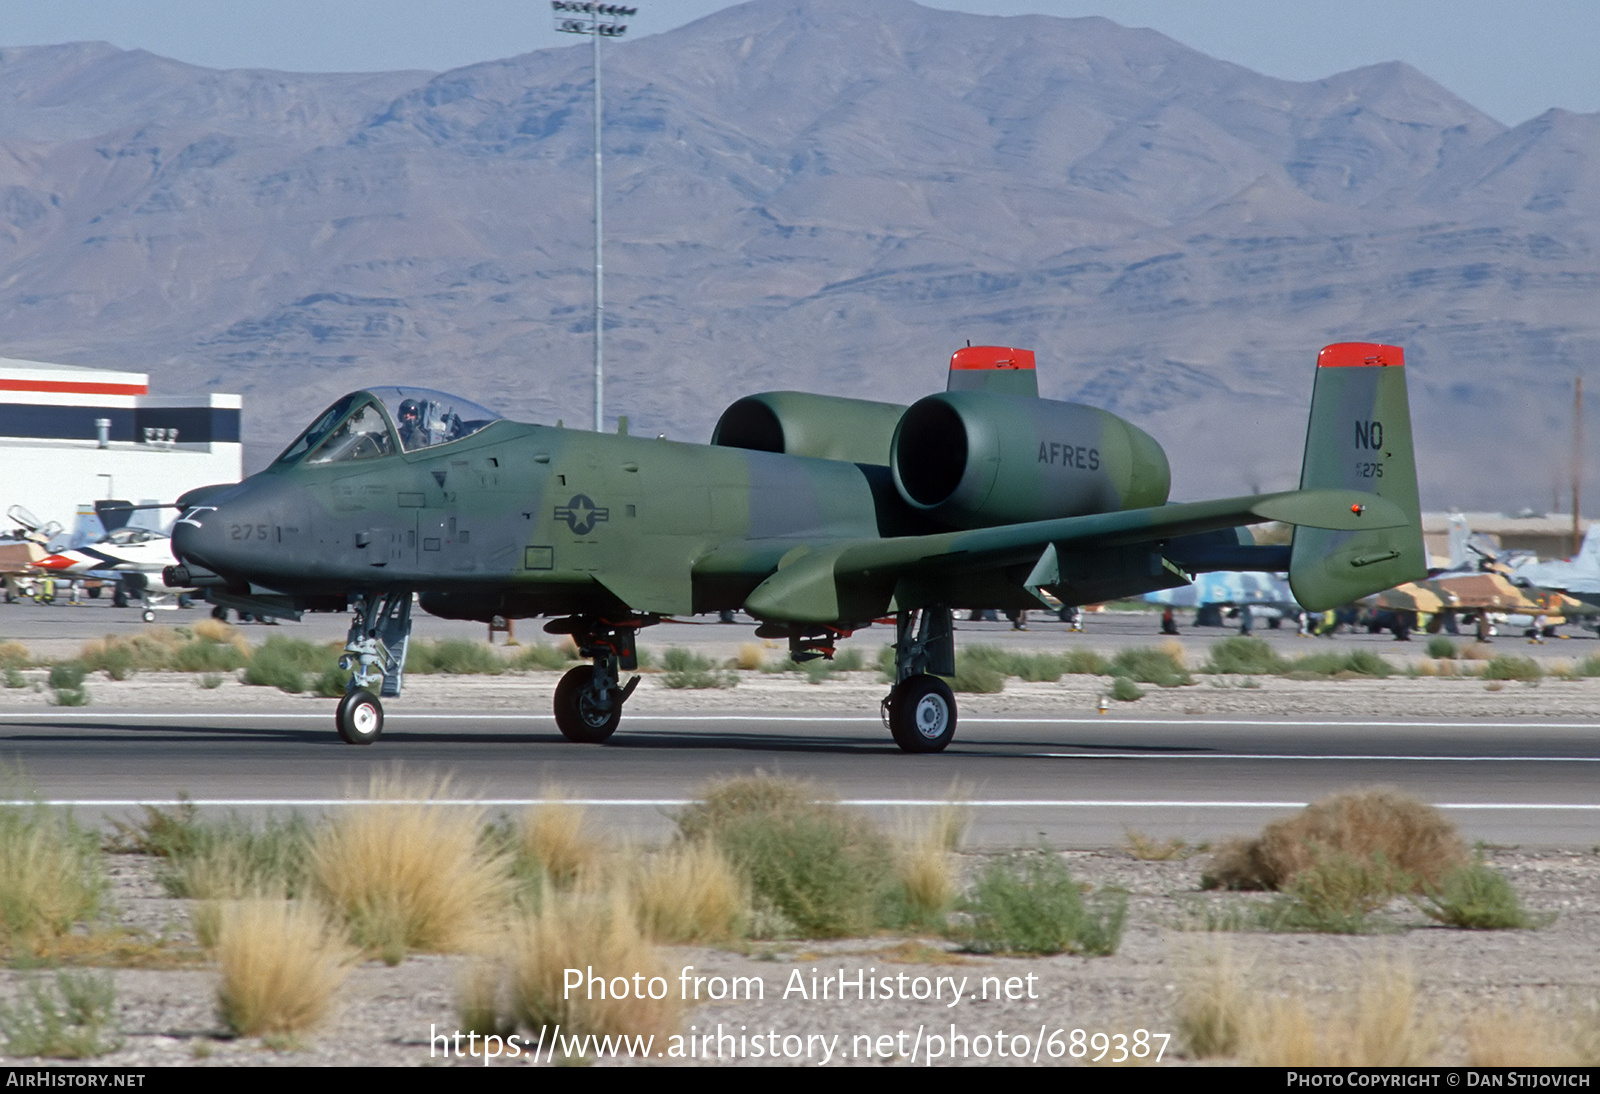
point(597, 21)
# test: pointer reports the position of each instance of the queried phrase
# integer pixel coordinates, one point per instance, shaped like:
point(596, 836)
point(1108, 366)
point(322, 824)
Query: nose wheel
point(359, 718)
point(921, 712)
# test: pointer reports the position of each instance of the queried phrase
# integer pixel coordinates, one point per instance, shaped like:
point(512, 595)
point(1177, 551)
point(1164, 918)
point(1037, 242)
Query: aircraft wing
point(1086, 558)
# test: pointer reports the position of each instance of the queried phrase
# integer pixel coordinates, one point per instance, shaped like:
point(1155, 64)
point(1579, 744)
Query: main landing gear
point(375, 656)
point(920, 709)
point(589, 698)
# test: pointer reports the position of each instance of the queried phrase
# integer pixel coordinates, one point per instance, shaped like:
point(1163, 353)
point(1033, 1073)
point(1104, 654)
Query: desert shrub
point(50, 877)
point(1379, 1024)
point(71, 1018)
point(1080, 662)
point(1148, 849)
point(1532, 1035)
point(1333, 663)
point(332, 683)
point(66, 681)
point(1151, 665)
point(1477, 897)
point(1411, 836)
point(1037, 667)
point(1506, 667)
point(284, 663)
point(281, 963)
point(1337, 892)
point(234, 859)
point(68, 674)
point(822, 869)
point(1124, 690)
point(1214, 994)
point(927, 880)
point(158, 832)
point(1243, 656)
point(850, 660)
point(976, 673)
point(14, 655)
point(1442, 648)
point(543, 656)
point(689, 893)
point(590, 932)
point(407, 873)
point(552, 841)
point(457, 656)
point(687, 669)
point(110, 656)
point(204, 655)
point(1029, 903)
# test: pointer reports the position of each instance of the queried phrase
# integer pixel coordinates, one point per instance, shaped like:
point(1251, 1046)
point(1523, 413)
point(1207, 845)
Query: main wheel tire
point(577, 715)
point(922, 714)
point(359, 718)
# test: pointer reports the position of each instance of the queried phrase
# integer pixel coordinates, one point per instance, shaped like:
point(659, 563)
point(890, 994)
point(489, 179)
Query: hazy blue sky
point(1512, 61)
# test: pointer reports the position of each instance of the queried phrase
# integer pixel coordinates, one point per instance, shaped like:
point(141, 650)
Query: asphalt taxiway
point(1071, 781)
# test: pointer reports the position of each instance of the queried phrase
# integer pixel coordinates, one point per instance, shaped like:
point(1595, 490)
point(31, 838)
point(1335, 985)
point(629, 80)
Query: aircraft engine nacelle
point(797, 423)
point(972, 459)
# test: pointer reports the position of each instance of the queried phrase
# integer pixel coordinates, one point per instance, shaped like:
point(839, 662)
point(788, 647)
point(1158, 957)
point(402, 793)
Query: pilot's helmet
point(410, 413)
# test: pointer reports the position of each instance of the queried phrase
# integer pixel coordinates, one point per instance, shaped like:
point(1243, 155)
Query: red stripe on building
point(74, 387)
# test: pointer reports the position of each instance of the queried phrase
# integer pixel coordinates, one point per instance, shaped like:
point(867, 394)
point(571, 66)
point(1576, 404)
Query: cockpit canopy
point(368, 424)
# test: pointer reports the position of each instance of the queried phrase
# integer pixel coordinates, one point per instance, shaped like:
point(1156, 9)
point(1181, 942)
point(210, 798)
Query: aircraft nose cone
point(200, 534)
point(55, 562)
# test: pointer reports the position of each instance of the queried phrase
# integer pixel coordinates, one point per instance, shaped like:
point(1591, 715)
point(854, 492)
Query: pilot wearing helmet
point(413, 433)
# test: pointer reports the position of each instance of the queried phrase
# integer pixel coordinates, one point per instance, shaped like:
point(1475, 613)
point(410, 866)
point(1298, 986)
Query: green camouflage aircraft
point(817, 515)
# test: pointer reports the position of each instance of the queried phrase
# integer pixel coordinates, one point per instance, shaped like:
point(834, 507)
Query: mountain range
point(819, 195)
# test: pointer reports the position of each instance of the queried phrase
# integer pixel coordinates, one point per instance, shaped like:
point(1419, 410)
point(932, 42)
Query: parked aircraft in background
point(815, 514)
point(1578, 576)
point(1266, 594)
point(125, 555)
point(22, 547)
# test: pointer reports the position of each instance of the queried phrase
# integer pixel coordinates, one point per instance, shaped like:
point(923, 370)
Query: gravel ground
point(387, 1015)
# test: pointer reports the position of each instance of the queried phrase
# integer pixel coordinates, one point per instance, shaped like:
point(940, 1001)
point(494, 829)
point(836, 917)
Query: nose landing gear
point(359, 718)
point(375, 656)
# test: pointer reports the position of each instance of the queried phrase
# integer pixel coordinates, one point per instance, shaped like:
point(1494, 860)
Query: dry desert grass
point(406, 873)
point(281, 963)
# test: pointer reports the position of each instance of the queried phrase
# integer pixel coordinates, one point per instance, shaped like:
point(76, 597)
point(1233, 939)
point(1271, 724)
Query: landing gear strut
point(589, 698)
point(920, 710)
point(375, 657)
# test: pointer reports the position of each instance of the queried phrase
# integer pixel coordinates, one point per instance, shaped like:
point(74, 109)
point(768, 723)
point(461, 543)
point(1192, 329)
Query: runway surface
point(1074, 782)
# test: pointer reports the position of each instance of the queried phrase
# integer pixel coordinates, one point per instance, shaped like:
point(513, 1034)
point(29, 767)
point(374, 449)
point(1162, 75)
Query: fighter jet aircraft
point(1266, 594)
point(125, 554)
point(1578, 576)
point(815, 514)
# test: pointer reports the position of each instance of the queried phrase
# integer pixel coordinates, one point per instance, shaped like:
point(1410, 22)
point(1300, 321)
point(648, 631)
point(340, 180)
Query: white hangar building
point(71, 435)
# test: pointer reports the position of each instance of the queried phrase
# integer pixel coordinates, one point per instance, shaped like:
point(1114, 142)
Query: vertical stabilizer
point(1462, 555)
point(1359, 438)
point(993, 368)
